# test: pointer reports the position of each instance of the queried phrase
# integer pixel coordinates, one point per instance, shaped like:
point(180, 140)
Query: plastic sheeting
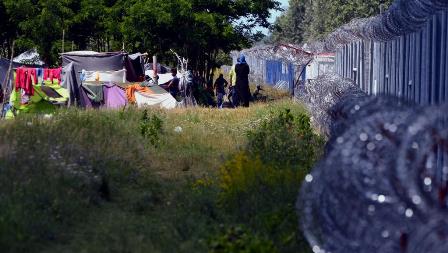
point(105, 76)
point(4, 66)
point(114, 96)
point(163, 78)
point(162, 100)
point(95, 62)
point(29, 57)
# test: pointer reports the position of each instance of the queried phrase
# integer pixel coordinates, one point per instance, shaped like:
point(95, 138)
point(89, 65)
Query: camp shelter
point(152, 96)
point(103, 95)
point(74, 63)
point(30, 57)
point(158, 97)
point(163, 78)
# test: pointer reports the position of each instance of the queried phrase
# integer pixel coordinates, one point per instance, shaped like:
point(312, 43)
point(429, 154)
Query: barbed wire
point(403, 17)
point(282, 52)
point(383, 183)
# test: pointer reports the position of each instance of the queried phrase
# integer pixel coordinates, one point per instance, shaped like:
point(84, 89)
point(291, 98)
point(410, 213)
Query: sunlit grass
point(88, 181)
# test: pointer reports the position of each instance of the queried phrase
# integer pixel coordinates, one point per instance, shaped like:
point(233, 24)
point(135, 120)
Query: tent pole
point(63, 37)
point(154, 67)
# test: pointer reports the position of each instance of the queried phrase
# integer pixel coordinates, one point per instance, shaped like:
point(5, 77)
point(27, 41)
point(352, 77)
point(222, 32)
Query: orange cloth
point(130, 91)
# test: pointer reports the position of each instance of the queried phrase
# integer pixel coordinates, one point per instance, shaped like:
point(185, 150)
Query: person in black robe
point(242, 71)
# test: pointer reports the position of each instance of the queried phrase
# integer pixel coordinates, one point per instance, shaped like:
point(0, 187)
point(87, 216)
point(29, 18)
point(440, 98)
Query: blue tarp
point(4, 66)
point(278, 71)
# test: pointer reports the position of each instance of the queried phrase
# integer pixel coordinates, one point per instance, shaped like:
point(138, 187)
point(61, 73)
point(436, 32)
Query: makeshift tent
point(160, 68)
point(157, 97)
point(135, 65)
point(163, 78)
point(30, 57)
point(150, 96)
point(75, 62)
point(114, 96)
point(103, 95)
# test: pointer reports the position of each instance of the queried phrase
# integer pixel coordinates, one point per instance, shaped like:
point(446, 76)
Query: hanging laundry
point(52, 74)
point(25, 79)
point(40, 75)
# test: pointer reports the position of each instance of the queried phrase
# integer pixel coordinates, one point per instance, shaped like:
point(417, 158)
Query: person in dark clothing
point(173, 86)
point(242, 71)
point(220, 88)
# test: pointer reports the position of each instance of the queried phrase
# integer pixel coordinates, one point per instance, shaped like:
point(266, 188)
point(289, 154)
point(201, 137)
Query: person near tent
point(173, 86)
point(242, 71)
point(210, 92)
point(233, 95)
point(220, 86)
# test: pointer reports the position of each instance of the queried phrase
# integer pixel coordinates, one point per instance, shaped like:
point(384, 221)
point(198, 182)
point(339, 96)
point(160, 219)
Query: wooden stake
point(63, 37)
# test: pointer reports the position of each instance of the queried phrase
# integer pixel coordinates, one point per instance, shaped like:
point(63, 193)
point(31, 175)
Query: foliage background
point(197, 29)
point(309, 20)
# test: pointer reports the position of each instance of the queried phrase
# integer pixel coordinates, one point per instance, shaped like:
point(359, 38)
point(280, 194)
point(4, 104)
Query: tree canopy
point(200, 30)
point(308, 20)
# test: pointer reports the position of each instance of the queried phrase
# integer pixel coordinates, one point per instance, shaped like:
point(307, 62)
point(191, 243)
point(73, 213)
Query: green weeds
point(151, 127)
point(87, 181)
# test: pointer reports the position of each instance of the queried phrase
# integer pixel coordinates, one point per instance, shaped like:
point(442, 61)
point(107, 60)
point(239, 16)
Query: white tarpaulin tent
point(163, 78)
point(31, 57)
point(165, 100)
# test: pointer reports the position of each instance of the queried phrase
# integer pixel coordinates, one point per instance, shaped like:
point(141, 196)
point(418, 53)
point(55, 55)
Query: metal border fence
point(412, 66)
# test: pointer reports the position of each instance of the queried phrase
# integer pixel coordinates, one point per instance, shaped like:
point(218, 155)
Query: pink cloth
point(51, 74)
point(25, 79)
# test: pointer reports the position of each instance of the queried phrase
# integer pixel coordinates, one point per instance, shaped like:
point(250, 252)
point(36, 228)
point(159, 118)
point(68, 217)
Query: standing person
point(173, 86)
point(242, 71)
point(220, 86)
point(232, 91)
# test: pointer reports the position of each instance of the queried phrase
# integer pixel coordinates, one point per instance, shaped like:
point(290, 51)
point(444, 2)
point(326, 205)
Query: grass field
point(186, 180)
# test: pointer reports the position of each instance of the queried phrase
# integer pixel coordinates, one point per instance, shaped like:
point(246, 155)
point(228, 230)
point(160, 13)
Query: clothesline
point(26, 77)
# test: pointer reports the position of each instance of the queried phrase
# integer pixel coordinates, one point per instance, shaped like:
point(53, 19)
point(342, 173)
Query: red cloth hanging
point(51, 74)
point(25, 79)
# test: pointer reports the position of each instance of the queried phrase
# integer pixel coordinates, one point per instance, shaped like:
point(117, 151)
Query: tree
point(198, 29)
point(289, 27)
point(309, 20)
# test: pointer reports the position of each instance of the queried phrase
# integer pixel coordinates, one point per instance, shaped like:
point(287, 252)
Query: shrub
point(259, 186)
point(151, 127)
point(238, 239)
point(285, 140)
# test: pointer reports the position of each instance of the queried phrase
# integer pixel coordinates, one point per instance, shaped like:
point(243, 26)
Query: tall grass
point(93, 181)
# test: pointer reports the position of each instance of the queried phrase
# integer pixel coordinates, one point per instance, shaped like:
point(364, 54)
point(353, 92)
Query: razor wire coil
point(383, 183)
